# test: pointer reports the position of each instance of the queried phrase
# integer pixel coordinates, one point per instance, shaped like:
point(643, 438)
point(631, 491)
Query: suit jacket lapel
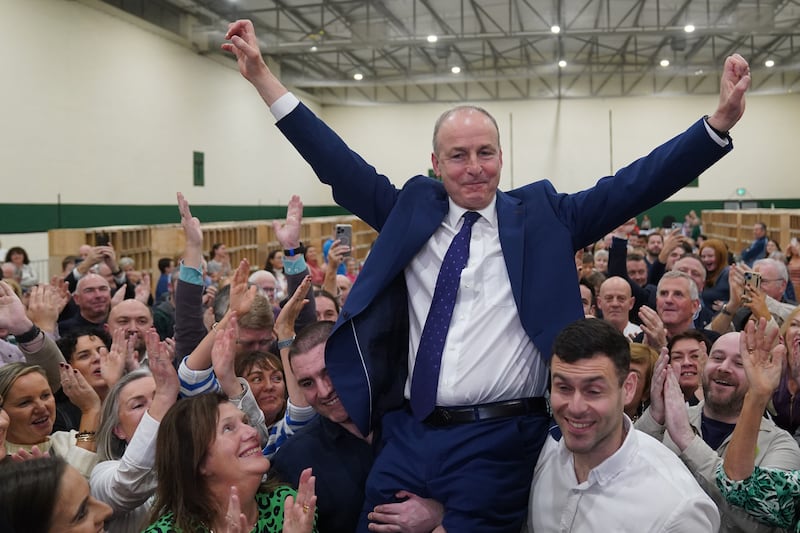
point(511, 226)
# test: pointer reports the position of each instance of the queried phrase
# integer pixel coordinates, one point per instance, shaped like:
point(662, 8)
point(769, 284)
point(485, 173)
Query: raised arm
point(763, 364)
point(285, 329)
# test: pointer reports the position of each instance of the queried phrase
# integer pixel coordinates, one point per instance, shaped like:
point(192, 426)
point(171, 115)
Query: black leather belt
point(448, 416)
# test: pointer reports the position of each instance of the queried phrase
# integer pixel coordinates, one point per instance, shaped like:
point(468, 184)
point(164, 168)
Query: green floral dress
point(769, 495)
point(270, 515)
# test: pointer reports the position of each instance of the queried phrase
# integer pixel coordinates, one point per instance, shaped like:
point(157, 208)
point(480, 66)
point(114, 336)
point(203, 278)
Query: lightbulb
point(689, 28)
point(358, 76)
point(455, 70)
point(555, 28)
point(562, 63)
point(432, 38)
point(664, 62)
point(769, 63)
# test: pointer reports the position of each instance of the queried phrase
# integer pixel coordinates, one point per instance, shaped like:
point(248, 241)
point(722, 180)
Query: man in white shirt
point(603, 475)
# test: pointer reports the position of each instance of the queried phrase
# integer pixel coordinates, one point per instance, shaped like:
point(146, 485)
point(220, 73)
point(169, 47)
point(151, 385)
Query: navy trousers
point(481, 472)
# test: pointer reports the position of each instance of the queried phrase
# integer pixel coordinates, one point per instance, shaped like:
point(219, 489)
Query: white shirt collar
point(606, 471)
point(488, 213)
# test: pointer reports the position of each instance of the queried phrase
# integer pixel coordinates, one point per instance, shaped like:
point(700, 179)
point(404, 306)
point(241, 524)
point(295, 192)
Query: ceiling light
point(555, 28)
point(769, 63)
point(313, 48)
point(432, 38)
point(562, 63)
point(455, 70)
point(689, 28)
point(358, 76)
point(664, 62)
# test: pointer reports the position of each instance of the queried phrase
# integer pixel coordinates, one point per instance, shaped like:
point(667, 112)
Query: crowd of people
point(477, 375)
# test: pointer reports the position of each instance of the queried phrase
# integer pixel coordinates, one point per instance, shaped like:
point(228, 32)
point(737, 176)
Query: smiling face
point(468, 158)
point(269, 389)
point(76, 511)
point(724, 380)
point(312, 377)
point(134, 399)
point(587, 402)
point(235, 452)
point(709, 257)
point(93, 297)
point(675, 305)
point(688, 358)
point(31, 409)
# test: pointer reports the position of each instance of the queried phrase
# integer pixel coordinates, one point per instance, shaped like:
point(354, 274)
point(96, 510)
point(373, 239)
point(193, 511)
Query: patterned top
point(270, 515)
point(769, 495)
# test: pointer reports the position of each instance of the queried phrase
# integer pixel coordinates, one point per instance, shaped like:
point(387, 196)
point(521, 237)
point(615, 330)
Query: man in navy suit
point(476, 452)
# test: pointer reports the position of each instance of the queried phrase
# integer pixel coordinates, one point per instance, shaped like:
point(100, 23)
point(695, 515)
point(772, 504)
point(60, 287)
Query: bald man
point(93, 297)
point(615, 301)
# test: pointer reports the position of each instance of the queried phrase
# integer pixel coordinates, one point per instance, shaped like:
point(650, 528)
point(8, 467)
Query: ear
point(435, 163)
point(629, 387)
point(119, 433)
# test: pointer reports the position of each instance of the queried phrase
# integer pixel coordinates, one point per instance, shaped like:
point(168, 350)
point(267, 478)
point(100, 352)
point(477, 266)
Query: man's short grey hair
point(126, 261)
point(779, 266)
point(694, 294)
point(447, 114)
point(601, 254)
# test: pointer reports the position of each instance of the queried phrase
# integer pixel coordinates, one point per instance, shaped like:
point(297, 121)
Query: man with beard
point(134, 319)
point(700, 436)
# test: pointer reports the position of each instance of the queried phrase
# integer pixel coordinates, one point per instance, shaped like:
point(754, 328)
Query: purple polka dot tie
point(425, 379)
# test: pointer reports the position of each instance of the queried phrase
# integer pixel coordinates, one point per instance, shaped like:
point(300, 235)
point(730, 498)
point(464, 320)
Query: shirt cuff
point(283, 106)
point(190, 274)
point(717, 139)
point(294, 265)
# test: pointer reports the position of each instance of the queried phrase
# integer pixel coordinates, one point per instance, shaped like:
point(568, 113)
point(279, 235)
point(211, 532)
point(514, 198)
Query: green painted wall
point(28, 218)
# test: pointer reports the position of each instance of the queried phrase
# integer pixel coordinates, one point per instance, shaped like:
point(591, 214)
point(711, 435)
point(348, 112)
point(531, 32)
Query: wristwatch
point(291, 252)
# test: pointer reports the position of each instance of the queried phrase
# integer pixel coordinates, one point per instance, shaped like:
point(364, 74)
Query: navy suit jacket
point(540, 229)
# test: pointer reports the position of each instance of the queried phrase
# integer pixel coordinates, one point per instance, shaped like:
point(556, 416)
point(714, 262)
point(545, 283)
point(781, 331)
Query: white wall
point(568, 141)
point(103, 111)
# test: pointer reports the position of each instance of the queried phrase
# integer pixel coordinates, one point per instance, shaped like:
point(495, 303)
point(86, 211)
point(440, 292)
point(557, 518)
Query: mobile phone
point(752, 279)
point(101, 239)
point(793, 242)
point(677, 225)
point(344, 233)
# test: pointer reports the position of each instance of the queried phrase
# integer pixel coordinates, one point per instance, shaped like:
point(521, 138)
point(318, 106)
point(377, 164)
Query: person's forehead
point(310, 363)
point(130, 309)
point(598, 366)
point(86, 341)
point(674, 284)
point(686, 345)
point(727, 345)
point(477, 122)
point(615, 287)
point(93, 281)
point(690, 264)
point(246, 333)
point(324, 301)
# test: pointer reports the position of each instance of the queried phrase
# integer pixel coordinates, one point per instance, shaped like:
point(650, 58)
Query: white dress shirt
point(642, 487)
point(487, 355)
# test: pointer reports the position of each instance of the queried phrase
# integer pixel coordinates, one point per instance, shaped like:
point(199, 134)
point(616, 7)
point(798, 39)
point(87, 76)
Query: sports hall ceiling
point(499, 49)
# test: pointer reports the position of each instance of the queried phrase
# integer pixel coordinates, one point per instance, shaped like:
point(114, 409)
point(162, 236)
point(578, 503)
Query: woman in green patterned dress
point(210, 467)
point(768, 495)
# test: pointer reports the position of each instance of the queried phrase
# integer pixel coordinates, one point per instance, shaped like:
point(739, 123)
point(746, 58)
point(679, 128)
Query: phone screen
point(344, 233)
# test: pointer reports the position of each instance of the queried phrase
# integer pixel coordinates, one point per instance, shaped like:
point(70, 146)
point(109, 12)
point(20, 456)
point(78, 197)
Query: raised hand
point(44, 306)
point(159, 355)
point(676, 417)
point(288, 232)
point(762, 357)
point(241, 295)
point(235, 519)
point(336, 254)
point(12, 311)
point(732, 87)
point(654, 331)
point(657, 387)
point(244, 45)
point(119, 296)
point(142, 290)
point(223, 355)
point(299, 512)
point(78, 390)
point(284, 324)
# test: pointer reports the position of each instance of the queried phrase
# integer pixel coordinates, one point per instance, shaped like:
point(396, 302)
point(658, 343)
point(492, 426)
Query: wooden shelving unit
point(735, 228)
point(246, 239)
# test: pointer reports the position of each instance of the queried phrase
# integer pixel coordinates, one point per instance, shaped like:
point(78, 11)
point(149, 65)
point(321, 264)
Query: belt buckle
point(439, 418)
